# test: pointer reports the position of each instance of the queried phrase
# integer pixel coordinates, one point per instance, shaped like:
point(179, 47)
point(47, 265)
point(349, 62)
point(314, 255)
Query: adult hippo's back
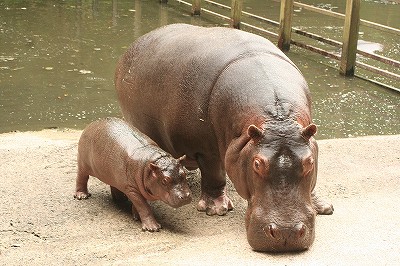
point(233, 103)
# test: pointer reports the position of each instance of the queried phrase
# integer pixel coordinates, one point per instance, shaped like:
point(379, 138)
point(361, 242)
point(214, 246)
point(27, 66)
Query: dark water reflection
point(57, 62)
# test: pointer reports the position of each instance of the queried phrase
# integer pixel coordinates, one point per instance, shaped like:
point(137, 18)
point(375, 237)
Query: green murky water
point(57, 61)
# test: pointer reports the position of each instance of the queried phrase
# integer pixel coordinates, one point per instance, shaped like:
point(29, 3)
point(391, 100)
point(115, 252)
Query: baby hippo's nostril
point(184, 196)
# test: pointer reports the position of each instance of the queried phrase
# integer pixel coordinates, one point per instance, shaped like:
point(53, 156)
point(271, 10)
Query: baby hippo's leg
point(118, 196)
point(81, 190)
point(122, 200)
point(141, 207)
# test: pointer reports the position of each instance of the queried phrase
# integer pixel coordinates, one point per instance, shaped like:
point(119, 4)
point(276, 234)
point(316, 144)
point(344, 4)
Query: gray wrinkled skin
point(234, 104)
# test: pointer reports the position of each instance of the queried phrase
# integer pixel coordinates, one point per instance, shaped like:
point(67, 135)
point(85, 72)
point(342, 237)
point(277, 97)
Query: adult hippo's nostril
point(273, 231)
point(286, 234)
point(300, 230)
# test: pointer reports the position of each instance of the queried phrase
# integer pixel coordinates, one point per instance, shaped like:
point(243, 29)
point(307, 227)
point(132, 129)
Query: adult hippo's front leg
point(214, 199)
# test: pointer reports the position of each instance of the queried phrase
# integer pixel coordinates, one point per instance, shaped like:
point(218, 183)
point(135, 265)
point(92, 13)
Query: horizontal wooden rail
point(217, 4)
point(380, 58)
point(183, 2)
point(337, 57)
point(317, 37)
point(316, 50)
point(264, 31)
point(215, 14)
point(378, 71)
point(206, 10)
point(313, 36)
point(269, 21)
point(342, 16)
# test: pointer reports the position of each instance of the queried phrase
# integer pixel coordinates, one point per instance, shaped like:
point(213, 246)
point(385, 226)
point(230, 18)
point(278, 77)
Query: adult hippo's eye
point(308, 165)
point(260, 166)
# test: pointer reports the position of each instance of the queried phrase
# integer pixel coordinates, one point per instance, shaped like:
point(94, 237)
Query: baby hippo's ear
point(182, 159)
point(154, 167)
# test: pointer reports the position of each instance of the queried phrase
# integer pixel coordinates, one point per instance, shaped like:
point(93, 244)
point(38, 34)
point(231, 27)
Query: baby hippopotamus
point(133, 165)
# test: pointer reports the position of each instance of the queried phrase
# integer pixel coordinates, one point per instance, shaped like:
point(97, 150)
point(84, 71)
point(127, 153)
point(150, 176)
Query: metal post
point(350, 37)
point(196, 7)
point(236, 12)
point(285, 25)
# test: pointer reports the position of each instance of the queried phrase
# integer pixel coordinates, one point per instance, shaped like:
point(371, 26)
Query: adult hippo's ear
point(254, 132)
point(309, 131)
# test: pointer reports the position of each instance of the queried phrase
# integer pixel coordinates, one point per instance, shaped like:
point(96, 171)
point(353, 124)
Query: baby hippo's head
point(169, 181)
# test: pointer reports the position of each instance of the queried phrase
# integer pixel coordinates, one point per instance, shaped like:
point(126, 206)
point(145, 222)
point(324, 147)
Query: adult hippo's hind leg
point(321, 205)
point(213, 198)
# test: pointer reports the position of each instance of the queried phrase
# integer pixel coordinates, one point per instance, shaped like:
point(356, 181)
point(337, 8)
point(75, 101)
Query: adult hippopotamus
point(236, 105)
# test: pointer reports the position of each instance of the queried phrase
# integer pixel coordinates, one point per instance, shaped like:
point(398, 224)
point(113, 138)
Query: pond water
point(57, 63)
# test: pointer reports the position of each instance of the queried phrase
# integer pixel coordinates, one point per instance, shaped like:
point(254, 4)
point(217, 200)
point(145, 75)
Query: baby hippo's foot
point(220, 205)
point(151, 225)
point(320, 205)
point(81, 195)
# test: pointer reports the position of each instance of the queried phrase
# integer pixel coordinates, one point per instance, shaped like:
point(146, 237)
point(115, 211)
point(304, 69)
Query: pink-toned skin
point(134, 167)
point(237, 106)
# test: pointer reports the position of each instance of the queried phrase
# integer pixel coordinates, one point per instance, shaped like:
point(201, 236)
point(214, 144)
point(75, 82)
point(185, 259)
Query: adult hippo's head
point(275, 170)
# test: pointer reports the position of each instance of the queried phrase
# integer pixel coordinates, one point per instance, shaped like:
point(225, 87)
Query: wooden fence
point(347, 58)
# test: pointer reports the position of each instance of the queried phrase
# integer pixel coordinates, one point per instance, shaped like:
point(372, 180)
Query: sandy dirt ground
point(42, 224)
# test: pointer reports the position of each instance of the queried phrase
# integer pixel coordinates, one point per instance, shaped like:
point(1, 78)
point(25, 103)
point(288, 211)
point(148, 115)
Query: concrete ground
point(41, 223)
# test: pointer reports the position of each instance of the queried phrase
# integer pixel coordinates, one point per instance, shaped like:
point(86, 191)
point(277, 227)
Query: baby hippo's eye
point(182, 173)
point(166, 180)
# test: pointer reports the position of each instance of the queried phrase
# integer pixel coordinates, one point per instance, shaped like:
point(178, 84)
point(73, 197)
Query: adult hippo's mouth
point(278, 235)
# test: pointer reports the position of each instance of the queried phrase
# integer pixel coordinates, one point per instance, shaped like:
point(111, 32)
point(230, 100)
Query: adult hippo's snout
point(280, 236)
point(293, 237)
point(286, 235)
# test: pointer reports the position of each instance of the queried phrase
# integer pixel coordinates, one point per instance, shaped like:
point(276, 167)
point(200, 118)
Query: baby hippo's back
point(105, 147)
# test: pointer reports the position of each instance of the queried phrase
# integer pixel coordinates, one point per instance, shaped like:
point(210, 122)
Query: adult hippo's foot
point(321, 205)
point(213, 198)
point(220, 205)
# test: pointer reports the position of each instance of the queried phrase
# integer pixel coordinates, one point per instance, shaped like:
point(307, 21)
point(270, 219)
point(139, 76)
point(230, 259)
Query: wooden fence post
point(285, 25)
point(236, 12)
point(350, 37)
point(196, 7)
